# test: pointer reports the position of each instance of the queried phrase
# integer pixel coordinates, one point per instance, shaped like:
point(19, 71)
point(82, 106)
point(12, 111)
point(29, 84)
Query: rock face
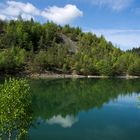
point(70, 43)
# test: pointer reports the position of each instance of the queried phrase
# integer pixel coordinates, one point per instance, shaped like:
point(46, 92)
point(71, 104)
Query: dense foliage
point(35, 47)
point(15, 108)
point(135, 50)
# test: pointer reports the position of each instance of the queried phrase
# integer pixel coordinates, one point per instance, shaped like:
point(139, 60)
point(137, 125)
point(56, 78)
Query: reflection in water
point(138, 102)
point(106, 109)
point(65, 122)
point(67, 96)
point(125, 101)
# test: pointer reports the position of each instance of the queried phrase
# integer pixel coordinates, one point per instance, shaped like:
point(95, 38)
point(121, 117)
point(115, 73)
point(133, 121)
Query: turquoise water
point(86, 109)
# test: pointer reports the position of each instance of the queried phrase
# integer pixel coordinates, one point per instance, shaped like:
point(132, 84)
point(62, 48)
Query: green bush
point(39, 63)
point(15, 108)
point(12, 59)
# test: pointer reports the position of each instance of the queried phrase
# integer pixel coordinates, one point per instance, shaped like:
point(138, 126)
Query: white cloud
point(125, 39)
point(12, 9)
point(68, 121)
point(27, 16)
point(23, 7)
point(2, 17)
point(62, 15)
point(113, 4)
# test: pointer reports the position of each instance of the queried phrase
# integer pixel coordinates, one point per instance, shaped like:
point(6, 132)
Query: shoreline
point(75, 76)
point(49, 75)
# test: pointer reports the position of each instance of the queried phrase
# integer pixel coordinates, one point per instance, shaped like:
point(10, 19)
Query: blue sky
point(117, 20)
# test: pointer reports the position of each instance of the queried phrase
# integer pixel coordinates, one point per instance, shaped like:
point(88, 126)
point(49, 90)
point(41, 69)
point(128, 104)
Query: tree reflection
point(63, 97)
point(56, 101)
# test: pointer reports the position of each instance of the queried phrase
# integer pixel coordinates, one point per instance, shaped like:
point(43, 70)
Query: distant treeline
point(33, 47)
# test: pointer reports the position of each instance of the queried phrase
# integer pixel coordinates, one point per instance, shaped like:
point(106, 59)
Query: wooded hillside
point(34, 47)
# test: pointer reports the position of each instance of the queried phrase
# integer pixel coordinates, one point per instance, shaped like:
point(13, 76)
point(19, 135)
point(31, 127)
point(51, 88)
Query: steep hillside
point(33, 47)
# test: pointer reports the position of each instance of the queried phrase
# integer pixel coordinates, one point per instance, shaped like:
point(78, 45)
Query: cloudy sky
point(117, 20)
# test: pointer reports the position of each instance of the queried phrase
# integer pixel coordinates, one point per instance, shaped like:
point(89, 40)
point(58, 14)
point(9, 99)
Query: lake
point(85, 109)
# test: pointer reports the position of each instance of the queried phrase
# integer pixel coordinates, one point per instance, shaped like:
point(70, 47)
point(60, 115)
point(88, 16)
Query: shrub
point(15, 105)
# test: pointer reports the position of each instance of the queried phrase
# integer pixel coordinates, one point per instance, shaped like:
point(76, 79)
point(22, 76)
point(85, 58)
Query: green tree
point(134, 68)
point(39, 63)
point(12, 59)
point(15, 108)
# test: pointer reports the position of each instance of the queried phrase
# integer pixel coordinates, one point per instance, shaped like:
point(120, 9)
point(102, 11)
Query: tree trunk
point(9, 137)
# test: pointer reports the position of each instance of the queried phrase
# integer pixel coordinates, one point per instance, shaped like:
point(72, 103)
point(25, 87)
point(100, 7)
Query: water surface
point(86, 109)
